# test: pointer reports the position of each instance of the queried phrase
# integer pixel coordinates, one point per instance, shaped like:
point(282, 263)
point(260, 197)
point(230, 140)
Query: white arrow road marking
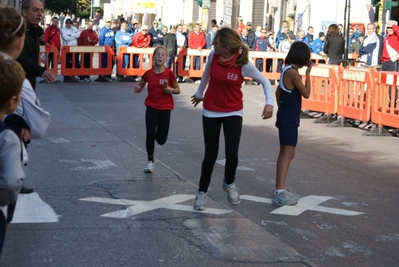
point(137, 207)
point(32, 209)
point(99, 165)
point(242, 168)
point(304, 204)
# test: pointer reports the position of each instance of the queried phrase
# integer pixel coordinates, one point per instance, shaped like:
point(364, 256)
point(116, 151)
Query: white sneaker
point(200, 200)
point(232, 193)
point(149, 167)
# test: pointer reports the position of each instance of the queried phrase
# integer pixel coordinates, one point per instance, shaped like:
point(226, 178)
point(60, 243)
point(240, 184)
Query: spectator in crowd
point(370, 47)
point(132, 26)
point(105, 38)
point(340, 29)
point(241, 24)
point(170, 43)
point(244, 37)
point(11, 172)
point(282, 32)
point(355, 46)
point(142, 39)
point(62, 19)
point(317, 46)
point(251, 35)
point(76, 25)
point(196, 40)
point(226, 67)
point(301, 36)
point(390, 54)
point(182, 43)
point(52, 36)
point(285, 45)
point(96, 21)
point(352, 38)
point(258, 31)
point(156, 34)
point(70, 35)
point(309, 37)
point(272, 42)
point(381, 40)
point(32, 11)
point(73, 18)
point(88, 37)
point(123, 38)
point(334, 45)
point(210, 35)
point(261, 44)
point(164, 31)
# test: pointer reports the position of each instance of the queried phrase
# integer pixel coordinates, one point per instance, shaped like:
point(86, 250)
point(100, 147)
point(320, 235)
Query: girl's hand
point(267, 112)
point(309, 67)
point(138, 89)
point(195, 100)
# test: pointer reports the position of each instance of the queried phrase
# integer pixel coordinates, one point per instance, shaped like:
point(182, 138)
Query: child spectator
point(11, 173)
point(289, 95)
point(159, 102)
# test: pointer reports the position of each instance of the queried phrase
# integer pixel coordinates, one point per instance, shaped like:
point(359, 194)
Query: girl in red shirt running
point(162, 84)
point(224, 73)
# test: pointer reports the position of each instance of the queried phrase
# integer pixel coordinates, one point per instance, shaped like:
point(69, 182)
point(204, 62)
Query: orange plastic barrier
point(51, 56)
point(385, 112)
point(324, 89)
point(95, 66)
point(139, 60)
point(356, 87)
point(189, 71)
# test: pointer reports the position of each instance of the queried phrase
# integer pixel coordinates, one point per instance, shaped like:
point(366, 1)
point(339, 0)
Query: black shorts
point(288, 136)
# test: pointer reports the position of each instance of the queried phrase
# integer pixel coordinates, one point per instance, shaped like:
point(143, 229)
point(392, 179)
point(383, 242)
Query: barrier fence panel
point(133, 61)
point(197, 63)
point(385, 110)
point(86, 60)
point(324, 89)
point(49, 56)
point(355, 94)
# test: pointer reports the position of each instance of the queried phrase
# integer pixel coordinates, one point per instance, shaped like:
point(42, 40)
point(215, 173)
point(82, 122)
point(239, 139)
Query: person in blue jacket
point(317, 46)
point(123, 38)
point(105, 38)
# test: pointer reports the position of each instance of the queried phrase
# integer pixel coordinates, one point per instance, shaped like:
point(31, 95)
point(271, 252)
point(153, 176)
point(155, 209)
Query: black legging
point(232, 133)
point(157, 125)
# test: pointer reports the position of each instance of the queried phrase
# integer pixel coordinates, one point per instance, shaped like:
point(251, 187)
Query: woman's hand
point(267, 112)
point(138, 89)
point(195, 100)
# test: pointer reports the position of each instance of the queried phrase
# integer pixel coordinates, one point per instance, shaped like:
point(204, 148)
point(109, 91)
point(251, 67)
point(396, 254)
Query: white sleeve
point(205, 77)
point(11, 173)
point(249, 70)
point(30, 110)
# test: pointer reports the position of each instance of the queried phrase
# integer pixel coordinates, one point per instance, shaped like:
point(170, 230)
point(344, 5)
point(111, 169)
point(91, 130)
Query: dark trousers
point(157, 125)
point(232, 133)
point(68, 62)
point(391, 66)
point(86, 64)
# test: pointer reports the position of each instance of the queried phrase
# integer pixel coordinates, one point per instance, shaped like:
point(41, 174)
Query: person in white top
point(69, 36)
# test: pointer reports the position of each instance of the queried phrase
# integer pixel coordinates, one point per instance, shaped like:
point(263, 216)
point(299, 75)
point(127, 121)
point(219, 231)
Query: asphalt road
point(94, 206)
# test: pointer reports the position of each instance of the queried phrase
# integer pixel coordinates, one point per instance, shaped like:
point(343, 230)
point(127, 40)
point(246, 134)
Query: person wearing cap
point(32, 11)
point(123, 38)
point(317, 46)
point(196, 40)
point(141, 40)
point(52, 36)
point(156, 34)
point(251, 35)
point(133, 26)
point(241, 24)
point(105, 38)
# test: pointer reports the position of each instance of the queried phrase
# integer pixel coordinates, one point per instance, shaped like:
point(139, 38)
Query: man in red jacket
point(52, 36)
point(196, 40)
point(390, 53)
point(87, 37)
point(141, 40)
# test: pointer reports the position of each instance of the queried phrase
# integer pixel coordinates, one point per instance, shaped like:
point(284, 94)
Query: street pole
point(91, 9)
point(346, 27)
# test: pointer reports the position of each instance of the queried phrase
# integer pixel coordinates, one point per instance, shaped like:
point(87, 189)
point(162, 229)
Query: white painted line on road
point(58, 140)
point(99, 165)
point(304, 204)
point(137, 207)
point(242, 168)
point(32, 209)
